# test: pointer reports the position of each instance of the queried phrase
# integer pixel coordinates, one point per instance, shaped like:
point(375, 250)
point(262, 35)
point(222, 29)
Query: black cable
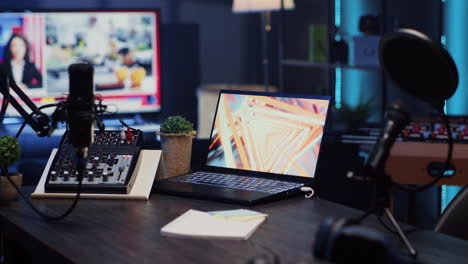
point(446, 165)
point(25, 123)
point(125, 125)
point(80, 168)
point(364, 215)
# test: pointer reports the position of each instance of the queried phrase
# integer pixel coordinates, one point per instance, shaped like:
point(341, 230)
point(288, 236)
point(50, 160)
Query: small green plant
point(364, 110)
point(176, 125)
point(10, 152)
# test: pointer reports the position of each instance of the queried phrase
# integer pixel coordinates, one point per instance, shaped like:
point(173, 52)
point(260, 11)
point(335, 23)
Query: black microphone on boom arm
point(79, 111)
point(81, 107)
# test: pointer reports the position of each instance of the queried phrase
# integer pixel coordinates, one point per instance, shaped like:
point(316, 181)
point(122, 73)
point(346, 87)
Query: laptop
point(263, 147)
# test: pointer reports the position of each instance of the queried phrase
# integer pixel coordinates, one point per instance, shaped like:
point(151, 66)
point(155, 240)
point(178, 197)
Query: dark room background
point(203, 43)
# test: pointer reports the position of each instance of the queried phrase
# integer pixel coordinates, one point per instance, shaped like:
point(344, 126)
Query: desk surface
point(108, 231)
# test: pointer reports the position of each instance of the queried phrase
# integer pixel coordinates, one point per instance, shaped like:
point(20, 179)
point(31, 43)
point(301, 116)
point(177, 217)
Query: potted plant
point(176, 143)
point(10, 152)
point(358, 115)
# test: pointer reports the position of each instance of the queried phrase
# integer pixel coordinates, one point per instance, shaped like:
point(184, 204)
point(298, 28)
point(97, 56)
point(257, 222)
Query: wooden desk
point(105, 231)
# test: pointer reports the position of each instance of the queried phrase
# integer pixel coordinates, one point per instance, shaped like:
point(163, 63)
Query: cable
point(446, 165)
point(127, 126)
point(308, 190)
point(364, 215)
point(80, 168)
point(25, 123)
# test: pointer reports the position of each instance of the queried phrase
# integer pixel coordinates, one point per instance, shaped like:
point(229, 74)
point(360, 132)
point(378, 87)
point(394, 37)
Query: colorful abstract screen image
point(278, 135)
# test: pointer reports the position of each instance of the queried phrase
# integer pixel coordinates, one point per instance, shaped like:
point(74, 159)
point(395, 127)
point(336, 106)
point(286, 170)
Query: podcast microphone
point(424, 69)
point(81, 107)
point(396, 118)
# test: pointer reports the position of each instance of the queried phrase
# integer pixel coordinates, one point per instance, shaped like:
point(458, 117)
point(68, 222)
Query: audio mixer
point(109, 165)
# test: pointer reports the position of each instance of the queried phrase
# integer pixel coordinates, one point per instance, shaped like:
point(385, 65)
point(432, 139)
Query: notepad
point(198, 224)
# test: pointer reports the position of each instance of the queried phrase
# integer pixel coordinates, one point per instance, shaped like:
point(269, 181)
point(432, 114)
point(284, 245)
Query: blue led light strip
point(338, 88)
point(455, 42)
point(337, 13)
point(338, 84)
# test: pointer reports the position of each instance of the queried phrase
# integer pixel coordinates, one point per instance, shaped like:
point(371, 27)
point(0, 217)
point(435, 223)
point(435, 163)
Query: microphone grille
point(81, 80)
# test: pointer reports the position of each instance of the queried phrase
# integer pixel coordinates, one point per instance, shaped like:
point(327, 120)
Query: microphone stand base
point(400, 232)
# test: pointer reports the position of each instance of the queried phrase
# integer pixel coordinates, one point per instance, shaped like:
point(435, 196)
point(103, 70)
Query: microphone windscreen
point(418, 65)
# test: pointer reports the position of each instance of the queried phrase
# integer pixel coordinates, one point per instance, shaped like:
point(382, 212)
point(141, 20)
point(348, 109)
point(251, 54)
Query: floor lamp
point(265, 7)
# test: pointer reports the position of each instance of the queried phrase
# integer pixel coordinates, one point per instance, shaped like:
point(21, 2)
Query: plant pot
point(177, 152)
point(7, 190)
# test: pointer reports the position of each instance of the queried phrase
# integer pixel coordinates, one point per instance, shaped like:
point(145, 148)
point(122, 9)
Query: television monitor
point(36, 48)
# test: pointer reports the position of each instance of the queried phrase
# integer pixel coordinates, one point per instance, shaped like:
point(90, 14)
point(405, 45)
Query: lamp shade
point(245, 6)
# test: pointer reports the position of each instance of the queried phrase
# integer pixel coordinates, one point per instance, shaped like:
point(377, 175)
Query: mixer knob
point(53, 175)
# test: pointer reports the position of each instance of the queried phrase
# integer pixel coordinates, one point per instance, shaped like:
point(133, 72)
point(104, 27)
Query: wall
point(227, 41)
point(298, 79)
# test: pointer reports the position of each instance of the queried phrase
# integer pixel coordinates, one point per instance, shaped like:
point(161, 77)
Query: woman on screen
point(17, 64)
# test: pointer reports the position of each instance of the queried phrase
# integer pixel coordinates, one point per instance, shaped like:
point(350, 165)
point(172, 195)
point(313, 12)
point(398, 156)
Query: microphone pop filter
point(419, 65)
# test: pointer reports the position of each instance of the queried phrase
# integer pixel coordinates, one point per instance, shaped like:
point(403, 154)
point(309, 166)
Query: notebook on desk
point(263, 146)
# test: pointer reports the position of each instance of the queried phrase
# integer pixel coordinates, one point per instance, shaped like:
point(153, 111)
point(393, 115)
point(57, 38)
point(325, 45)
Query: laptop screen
point(268, 132)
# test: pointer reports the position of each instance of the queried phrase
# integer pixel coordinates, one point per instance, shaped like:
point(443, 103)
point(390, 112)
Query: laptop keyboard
point(238, 182)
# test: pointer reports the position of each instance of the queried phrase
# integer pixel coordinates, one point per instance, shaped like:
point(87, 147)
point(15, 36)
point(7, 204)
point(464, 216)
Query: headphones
point(342, 240)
